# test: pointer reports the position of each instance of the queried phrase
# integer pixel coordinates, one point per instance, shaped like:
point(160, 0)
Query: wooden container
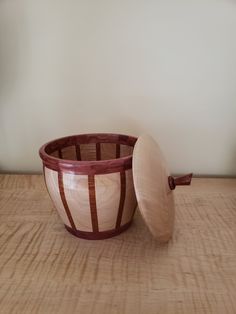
point(89, 178)
point(93, 180)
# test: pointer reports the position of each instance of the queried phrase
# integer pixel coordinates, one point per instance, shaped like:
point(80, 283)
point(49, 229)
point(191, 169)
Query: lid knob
point(183, 180)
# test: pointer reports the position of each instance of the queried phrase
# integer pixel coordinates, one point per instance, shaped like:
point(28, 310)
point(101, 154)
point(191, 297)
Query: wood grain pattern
point(92, 201)
point(90, 186)
point(122, 198)
point(51, 180)
point(69, 153)
point(101, 235)
point(154, 194)
point(107, 199)
point(98, 151)
point(78, 154)
point(108, 151)
point(78, 200)
point(64, 201)
point(60, 153)
point(44, 269)
point(104, 198)
point(89, 153)
point(130, 203)
point(117, 151)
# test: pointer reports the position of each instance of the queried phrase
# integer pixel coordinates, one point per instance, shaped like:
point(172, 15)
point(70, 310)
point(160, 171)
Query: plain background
point(167, 68)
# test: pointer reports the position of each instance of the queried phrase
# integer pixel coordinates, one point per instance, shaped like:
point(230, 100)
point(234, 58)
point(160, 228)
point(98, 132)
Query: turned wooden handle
point(183, 180)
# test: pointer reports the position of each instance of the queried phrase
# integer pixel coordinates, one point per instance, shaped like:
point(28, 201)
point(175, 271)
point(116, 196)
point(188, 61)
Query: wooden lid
point(153, 186)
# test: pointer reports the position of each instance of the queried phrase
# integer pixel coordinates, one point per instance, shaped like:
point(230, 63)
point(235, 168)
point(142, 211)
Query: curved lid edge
point(153, 187)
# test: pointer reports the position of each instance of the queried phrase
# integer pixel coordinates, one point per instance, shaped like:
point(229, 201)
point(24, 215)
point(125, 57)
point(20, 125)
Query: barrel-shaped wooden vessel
point(89, 178)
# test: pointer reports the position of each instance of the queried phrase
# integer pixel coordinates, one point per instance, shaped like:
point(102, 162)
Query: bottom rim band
point(98, 235)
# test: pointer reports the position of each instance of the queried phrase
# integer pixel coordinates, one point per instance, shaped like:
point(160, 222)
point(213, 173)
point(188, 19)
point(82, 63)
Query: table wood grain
point(44, 269)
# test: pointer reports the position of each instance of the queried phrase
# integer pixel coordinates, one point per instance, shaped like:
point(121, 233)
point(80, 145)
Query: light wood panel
point(130, 203)
point(44, 269)
point(77, 197)
point(51, 180)
point(108, 151)
point(155, 198)
point(69, 153)
point(107, 198)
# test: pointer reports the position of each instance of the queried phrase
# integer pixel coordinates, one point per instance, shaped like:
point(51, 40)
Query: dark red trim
point(183, 180)
point(92, 201)
point(78, 153)
point(98, 235)
point(98, 151)
point(63, 198)
point(87, 167)
point(122, 198)
point(117, 150)
point(44, 174)
point(91, 167)
point(60, 153)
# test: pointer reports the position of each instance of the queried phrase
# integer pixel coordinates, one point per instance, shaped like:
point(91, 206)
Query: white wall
point(163, 67)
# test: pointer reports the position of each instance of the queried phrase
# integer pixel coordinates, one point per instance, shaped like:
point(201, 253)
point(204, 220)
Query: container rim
point(90, 166)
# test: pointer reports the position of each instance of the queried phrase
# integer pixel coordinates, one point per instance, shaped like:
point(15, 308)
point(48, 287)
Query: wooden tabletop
point(44, 269)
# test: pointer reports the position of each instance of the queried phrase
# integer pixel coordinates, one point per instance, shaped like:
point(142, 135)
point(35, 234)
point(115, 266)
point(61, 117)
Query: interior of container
point(89, 151)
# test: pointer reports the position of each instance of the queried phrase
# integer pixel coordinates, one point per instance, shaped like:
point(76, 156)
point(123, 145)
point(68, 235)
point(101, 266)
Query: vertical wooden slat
point(63, 198)
point(122, 198)
point(98, 151)
point(78, 153)
point(117, 150)
point(44, 173)
point(45, 180)
point(92, 201)
point(60, 153)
